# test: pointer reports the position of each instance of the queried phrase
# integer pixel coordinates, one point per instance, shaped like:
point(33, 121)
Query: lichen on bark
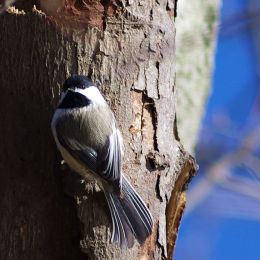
point(197, 25)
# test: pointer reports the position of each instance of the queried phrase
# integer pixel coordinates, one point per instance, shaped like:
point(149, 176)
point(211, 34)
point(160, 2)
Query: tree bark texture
point(130, 53)
point(196, 25)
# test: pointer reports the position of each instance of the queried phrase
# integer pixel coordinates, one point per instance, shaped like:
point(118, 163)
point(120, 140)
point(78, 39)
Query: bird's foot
point(82, 181)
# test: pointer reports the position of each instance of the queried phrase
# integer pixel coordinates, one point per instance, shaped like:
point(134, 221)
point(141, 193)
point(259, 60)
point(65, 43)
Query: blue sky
point(223, 224)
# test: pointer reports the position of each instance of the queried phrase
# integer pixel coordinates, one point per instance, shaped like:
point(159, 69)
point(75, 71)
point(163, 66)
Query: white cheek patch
point(93, 94)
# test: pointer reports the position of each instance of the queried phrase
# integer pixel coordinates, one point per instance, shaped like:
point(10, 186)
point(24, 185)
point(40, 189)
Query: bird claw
point(62, 162)
point(63, 165)
point(82, 181)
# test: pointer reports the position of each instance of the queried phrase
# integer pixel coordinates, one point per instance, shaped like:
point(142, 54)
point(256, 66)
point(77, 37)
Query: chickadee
point(87, 136)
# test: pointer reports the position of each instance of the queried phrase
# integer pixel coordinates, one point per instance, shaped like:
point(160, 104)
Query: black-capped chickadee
point(87, 136)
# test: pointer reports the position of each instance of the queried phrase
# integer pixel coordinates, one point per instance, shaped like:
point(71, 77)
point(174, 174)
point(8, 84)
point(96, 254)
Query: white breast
point(74, 164)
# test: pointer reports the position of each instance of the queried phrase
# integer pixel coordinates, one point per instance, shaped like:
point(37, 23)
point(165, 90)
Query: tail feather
point(130, 216)
point(121, 231)
point(115, 234)
point(145, 214)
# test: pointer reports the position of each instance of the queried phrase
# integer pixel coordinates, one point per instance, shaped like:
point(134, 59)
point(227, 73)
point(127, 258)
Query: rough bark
point(131, 53)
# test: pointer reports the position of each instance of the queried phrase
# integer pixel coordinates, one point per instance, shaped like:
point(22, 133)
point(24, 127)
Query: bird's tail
point(130, 216)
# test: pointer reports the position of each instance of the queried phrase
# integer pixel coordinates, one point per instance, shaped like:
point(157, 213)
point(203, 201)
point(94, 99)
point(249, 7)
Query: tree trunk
point(129, 50)
point(197, 25)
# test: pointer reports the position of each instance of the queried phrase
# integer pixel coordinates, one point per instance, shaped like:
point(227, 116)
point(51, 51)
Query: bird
point(86, 134)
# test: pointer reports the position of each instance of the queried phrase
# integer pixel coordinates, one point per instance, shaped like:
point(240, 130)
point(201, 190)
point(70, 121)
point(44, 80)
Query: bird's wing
point(109, 158)
point(106, 161)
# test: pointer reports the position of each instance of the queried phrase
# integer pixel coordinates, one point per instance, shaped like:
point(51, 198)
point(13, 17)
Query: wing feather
point(109, 159)
point(104, 161)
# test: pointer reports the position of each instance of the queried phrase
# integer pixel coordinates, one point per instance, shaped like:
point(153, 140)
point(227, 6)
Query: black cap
point(77, 81)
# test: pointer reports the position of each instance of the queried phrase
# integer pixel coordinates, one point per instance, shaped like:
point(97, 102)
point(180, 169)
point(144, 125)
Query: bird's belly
point(76, 166)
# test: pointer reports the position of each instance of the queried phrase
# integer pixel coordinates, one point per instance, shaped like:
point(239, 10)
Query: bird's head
point(79, 91)
point(77, 82)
